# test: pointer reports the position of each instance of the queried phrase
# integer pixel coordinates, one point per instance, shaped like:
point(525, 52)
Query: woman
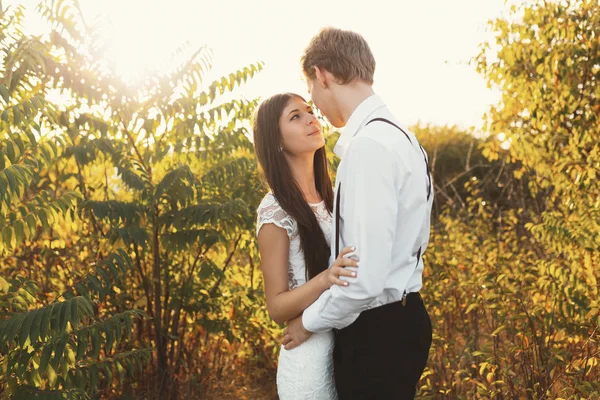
point(294, 229)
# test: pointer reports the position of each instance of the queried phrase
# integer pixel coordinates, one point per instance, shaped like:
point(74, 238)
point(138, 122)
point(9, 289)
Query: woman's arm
point(284, 304)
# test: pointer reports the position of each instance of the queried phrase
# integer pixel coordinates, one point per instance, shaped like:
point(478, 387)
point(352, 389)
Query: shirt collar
point(358, 117)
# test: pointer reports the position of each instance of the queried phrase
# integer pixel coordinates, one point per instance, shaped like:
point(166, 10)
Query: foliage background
point(129, 267)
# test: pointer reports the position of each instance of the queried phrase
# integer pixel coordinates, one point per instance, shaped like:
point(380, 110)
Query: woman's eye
point(294, 117)
point(311, 112)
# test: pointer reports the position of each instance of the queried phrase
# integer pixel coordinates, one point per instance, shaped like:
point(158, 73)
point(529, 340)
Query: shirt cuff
point(312, 321)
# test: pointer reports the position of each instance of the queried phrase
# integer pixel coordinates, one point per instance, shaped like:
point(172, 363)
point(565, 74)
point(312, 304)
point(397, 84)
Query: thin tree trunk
point(251, 261)
point(161, 354)
point(166, 310)
point(213, 290)
point(138, 264)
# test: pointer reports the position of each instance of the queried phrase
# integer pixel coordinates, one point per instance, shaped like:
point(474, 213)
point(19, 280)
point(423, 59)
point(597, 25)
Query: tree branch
point(213, 290)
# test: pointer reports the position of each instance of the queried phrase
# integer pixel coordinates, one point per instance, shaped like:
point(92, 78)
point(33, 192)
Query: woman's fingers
point(345, 272)
point(286, 340)
point(285, 337)
point(346, 250)
point(290, 345)
point(347, 262)
point(337, 272)
point(339, 282)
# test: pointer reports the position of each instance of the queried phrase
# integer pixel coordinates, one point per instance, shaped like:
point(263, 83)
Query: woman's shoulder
point(269, 211)
point(268, 201)
point(269, 207)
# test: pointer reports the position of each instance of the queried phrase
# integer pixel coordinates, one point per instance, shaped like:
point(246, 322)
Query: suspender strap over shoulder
point(387, 121)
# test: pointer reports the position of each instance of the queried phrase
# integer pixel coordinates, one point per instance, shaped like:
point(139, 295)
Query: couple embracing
point(342, 264)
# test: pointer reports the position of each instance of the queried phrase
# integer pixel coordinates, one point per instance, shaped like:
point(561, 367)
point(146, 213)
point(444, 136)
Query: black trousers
point(384, 352)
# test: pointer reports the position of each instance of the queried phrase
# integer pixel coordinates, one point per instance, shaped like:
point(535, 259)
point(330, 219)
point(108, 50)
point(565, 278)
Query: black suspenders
point(421, 147)
point(339, 191)
point(337, 221)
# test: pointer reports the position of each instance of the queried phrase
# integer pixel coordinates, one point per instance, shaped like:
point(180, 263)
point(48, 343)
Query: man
point(384, 195)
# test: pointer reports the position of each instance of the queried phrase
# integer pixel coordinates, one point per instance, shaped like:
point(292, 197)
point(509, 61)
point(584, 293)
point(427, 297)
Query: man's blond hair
point(345, 54)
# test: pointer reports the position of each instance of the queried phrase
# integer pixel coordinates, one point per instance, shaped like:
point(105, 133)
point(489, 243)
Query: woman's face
point(300, 129)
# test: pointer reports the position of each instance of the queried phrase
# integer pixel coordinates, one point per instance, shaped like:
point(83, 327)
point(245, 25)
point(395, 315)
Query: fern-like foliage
point(62, 346)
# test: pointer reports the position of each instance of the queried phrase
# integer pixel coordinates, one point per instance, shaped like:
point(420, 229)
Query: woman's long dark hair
point(267, 143)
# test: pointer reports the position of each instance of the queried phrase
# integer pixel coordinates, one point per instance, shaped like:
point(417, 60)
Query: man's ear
point(321, 77)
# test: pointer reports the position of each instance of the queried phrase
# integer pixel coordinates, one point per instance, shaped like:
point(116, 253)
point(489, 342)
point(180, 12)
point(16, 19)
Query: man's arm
point(369, 202)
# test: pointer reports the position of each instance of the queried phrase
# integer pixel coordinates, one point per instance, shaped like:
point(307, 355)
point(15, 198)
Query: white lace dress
point(305, 372)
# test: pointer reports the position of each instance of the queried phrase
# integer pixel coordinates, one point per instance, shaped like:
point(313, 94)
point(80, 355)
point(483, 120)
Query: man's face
point(325, 101)
point(315, 93)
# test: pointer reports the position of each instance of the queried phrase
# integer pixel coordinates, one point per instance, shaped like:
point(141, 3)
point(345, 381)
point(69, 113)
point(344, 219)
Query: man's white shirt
point(384, 212)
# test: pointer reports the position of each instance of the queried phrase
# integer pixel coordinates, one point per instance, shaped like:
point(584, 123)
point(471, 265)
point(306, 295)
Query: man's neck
point(351, 96)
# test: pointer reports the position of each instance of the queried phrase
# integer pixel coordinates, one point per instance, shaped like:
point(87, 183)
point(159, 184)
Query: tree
point(163, 172)
point(548, 70)
point(526, 276)
point(45, 350)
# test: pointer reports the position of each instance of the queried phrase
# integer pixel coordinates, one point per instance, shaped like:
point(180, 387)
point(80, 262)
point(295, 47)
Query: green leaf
point(95, 334)
point(7, 234)
point(45, 323)
point(64, 316)
point(25, 328)
point(498, 330)
point(17, 140)
point(471, 307)
point(43, 217)
point(36, 378)
point(52, 377)
point(128, 325)
point(26, 108)
point(36, 325)
point(56, 312)
point(108, 374)
point(118, 330)
point(130, 367)
point(93, 377)
point(82, 290)
point(79, 379)
point(96, 285)
point(60, 349)
point(31, 224)
point(109, 335)
point(82, 344)
point(4, 93)
point(138, 362)
point(113, 270)
point(46, 353)
point(120, 371)
point(31, 137)
point(74, 312)
point(16, 116)
point(13, 326)
point(19, 231)
point(10, 152)
point(105, 276)
point(206, 270)
point(89, 309)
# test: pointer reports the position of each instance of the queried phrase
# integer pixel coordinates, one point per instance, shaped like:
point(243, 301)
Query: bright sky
point(422, 48)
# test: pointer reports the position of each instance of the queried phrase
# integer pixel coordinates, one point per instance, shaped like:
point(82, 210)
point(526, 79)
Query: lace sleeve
point(270, 212)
